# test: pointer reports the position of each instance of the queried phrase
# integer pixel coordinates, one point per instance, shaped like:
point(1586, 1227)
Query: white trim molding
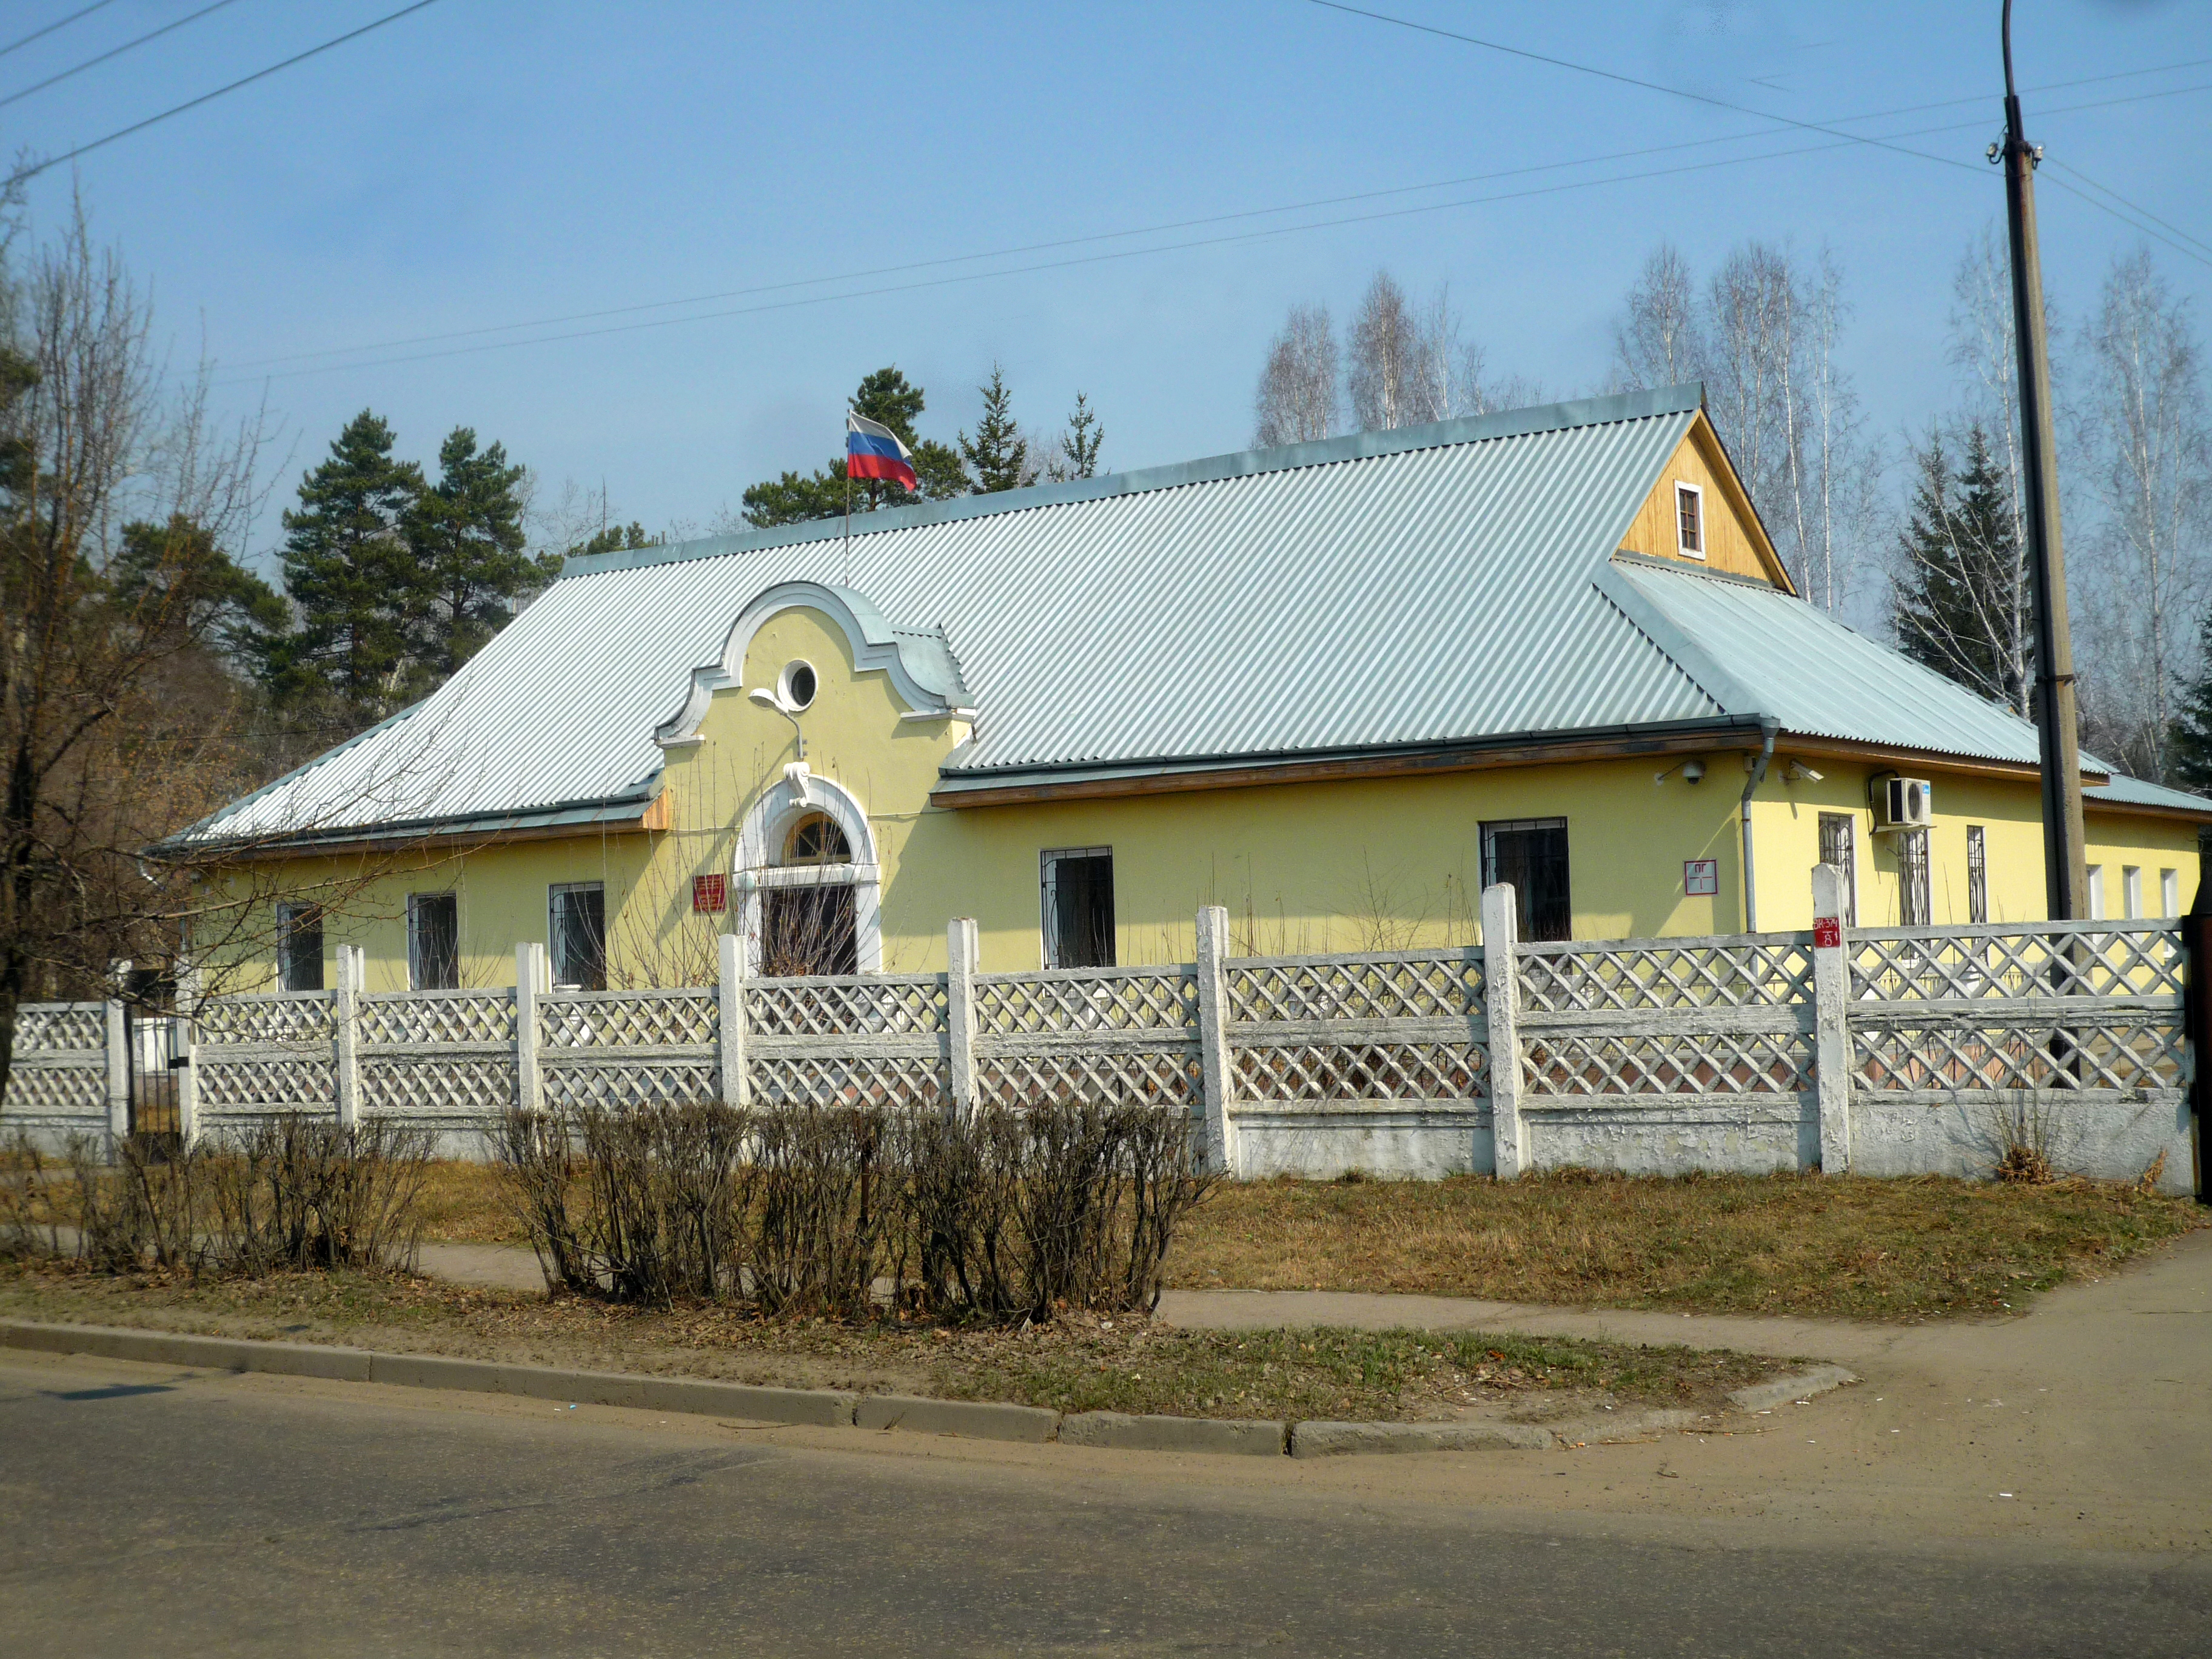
point(919, 661)
point(1683, 486)
point(759, 843)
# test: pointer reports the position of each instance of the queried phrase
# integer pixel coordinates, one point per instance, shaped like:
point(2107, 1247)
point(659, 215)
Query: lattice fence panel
point(476, 1087)
point(305, 1016)
point(60, 1027)
point(1087, 1000)
point(629, 1019)
point(1133, 1075)
point(41, 1092)
point(1381, 1071)
point(2095, 1053)
point(1747, 971)
point(242, 1087)
point(873, 1006)
point(1569, 1065)
point(848, 1080)
point(624, 1083)
point(448, 1017)
point(1979, 963)
point(1413, 986)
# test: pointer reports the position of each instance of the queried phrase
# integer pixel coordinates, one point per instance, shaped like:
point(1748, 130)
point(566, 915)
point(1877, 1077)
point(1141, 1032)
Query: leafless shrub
point(29, 1222)
point(305, 1193)
point(537, 1152)
point(2024, 1134)
point(822, 1209)
point(142, 1209)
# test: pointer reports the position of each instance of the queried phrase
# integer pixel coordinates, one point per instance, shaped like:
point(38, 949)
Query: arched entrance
point(806, 866)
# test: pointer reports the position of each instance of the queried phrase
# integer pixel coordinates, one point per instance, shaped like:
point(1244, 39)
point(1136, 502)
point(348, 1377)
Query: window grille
point(298, 947)
point(1840, 847)
point(1079, 907)
point(1913, 886)
point(434, 942)
point(1530, 856)
point(1978, 874)
point(579, 929)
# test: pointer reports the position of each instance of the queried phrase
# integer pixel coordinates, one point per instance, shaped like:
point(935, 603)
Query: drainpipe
point(1769, 730)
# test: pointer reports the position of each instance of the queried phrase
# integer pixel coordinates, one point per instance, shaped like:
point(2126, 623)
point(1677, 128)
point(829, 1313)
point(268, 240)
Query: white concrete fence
point(1883, 1051)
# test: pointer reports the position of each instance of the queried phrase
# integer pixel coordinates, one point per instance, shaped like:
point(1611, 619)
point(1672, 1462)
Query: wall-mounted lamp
point(769, 700)
point(1691, 769)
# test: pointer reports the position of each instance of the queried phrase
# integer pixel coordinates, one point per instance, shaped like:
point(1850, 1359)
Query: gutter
point(1770, 729)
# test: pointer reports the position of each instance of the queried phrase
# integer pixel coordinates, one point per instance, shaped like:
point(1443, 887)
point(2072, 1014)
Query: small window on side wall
point(1530, 856)
point(577, 924)
point(1978, 874)
point(298, 947)
point(1690, 518)
point(434, 942)
point(1079, 907)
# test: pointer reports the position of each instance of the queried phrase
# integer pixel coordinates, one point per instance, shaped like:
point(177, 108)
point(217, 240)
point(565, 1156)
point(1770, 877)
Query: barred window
point(1079, 907)
point(1530, 856)
point(577, 924)
point(1978, 874)
point(1840, 847)
point(434, 942)
point(298, 947)
point(1912, 887)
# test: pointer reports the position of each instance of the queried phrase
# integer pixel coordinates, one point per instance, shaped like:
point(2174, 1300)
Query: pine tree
point(886, 396)
point(177, 571)
point(997, 456)
point(2189, 744)
point(1960, 605)
point(467, 531)
point(1079, 445)
point(349, 570)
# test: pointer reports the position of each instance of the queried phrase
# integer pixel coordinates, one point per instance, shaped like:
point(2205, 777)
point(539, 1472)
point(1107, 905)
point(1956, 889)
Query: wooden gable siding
point(1735, 544)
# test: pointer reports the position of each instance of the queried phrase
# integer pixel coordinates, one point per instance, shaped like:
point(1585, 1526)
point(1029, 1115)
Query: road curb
point(836, 1408)
point(1784, 1390)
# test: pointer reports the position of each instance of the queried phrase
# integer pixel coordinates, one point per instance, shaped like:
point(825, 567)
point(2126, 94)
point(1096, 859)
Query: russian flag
point(872, 450)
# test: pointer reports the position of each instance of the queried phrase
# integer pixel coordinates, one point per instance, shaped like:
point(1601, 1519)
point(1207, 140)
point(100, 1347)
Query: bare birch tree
point(2147, 453)
point(1297, 401)
point(1659, 339)
point(1384, 360)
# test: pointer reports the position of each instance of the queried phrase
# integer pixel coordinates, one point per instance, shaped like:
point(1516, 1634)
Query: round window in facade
point(796, 685)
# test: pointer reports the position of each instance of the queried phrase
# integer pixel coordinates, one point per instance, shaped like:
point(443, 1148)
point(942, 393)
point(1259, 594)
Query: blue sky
point(484, 162)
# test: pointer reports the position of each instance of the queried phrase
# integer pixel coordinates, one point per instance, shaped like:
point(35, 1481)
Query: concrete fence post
point(529, 980)
point(1216, 1073)
point(345, 1032)
point(960, 959)
point(730, 997)
point(183, 1055)
point(118, 1053)
point(1831, 1013)
point(1501, 932)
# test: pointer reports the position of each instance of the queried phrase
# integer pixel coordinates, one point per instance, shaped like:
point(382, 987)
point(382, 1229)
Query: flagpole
point(848, 506)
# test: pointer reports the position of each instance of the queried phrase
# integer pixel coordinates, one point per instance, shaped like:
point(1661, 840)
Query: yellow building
point(1338, 688)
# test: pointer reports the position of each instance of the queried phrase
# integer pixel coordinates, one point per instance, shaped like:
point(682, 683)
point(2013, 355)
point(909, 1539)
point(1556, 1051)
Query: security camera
point(1693, 770)
point(1798, 772)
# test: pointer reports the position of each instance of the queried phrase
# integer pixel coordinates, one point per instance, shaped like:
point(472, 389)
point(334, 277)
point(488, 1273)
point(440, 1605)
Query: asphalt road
point(152, 1512)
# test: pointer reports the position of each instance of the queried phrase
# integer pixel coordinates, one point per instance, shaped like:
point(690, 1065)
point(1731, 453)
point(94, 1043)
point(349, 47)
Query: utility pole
point(2066, 881)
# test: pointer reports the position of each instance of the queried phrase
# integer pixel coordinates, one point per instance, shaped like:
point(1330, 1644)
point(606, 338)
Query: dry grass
point(1799, 1244)
point(1079, 1361)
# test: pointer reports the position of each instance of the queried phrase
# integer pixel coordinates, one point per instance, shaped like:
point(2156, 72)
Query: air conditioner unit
point(1903, 803)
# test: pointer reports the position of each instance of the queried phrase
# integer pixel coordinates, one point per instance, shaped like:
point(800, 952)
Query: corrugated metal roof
point(1448, 584)
point(1779, 657)
point(1392, 588)
point(2124, 790)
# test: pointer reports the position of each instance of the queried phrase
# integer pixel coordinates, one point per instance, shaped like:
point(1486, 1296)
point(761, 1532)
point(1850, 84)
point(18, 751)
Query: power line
point(2139, 228)
point(768, 287)
point(22, 174)
point(117, 51)
point(2135, 208)
point(40, 34)
point(1074, 261)
point(1623, 80)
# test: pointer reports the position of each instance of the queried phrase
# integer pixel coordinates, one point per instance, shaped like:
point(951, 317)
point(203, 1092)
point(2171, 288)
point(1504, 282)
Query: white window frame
point(2169, 892)
point(2096, 892)
point(553, 889)
point(758, 861)
point(414, 939)
point(2131, 891)
point(1851, 857)
point(1704, 534)
point(1048, 862)
point(1978, 872)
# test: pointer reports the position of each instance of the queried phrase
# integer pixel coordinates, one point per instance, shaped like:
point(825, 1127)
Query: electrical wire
point(117, 51)
point(1624, 80)
point(1162, 229)
point(22, 173)
point(40, 34)
point(1059, 264)
point(2141, 212)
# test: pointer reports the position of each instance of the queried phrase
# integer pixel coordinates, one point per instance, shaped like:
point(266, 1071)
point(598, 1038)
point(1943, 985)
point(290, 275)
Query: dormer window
point(1690, 518)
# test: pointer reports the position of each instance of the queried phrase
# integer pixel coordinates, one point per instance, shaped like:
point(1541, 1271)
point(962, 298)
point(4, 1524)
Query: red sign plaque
point(1827, 932)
